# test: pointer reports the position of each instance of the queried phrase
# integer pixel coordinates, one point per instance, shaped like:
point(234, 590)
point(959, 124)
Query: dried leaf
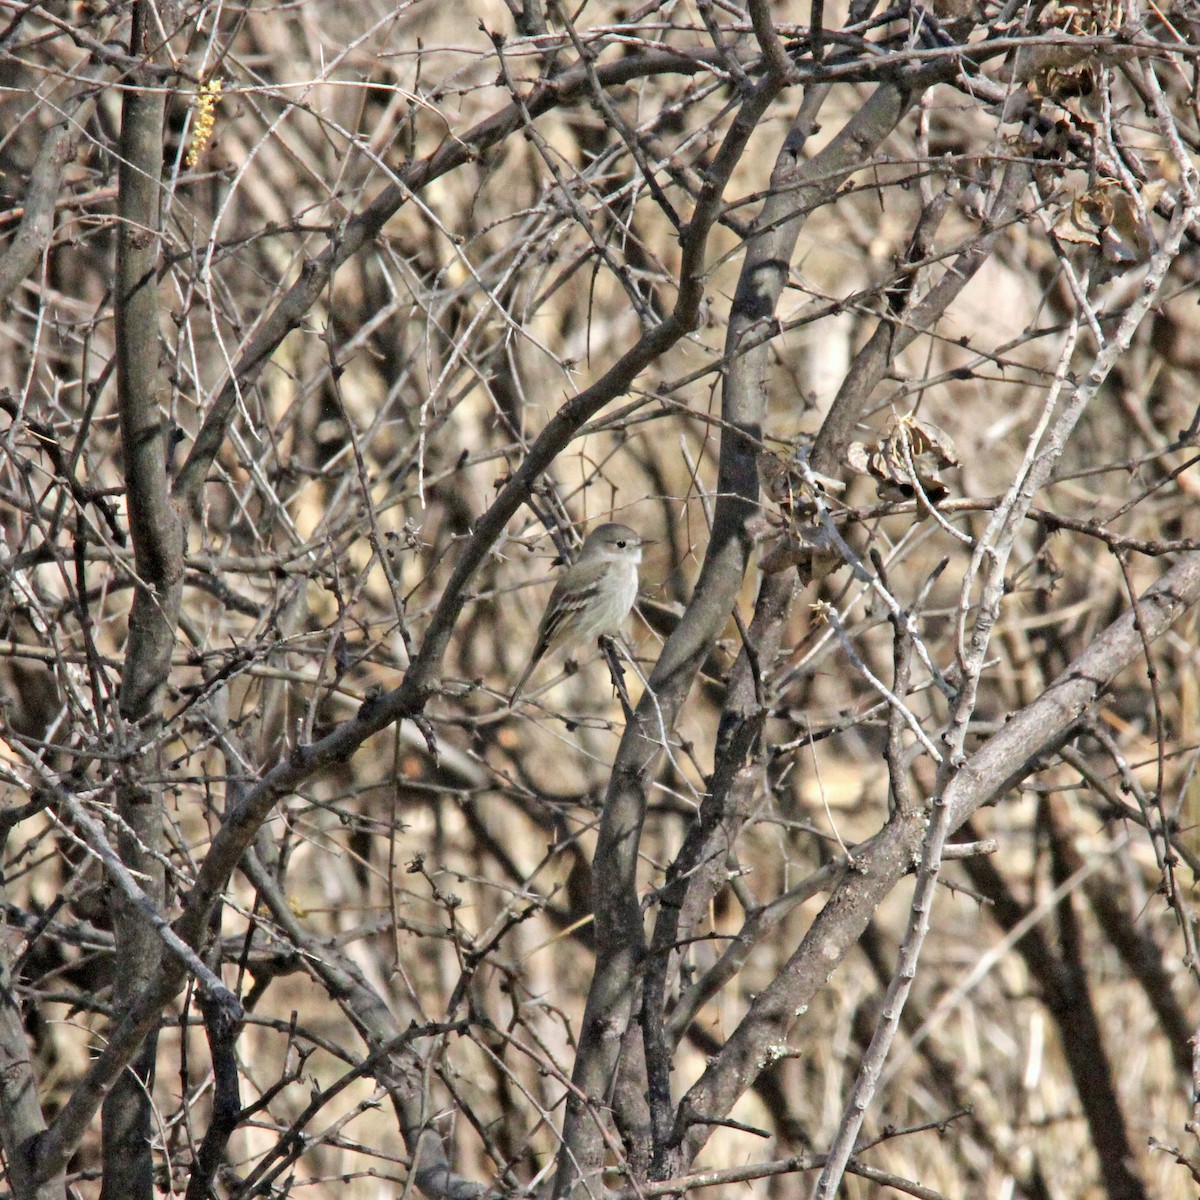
point(912, 446)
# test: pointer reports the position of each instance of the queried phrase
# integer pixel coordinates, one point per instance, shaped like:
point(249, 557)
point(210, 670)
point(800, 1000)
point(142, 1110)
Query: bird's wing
point(575, 590)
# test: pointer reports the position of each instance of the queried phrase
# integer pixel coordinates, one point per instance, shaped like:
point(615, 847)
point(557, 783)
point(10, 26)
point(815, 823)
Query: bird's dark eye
point(621, 545)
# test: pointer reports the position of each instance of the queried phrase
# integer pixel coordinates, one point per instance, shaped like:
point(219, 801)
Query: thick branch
point(22, 1122)
point(799, 185)
point(872, 363)
point(1002, 763)
point(153, 521)
point(157, 537)
point(41, 195)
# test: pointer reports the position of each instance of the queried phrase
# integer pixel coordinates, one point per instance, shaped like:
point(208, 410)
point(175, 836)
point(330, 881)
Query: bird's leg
point(617, 671)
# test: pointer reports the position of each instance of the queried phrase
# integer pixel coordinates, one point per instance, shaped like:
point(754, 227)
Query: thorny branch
point(306, 306)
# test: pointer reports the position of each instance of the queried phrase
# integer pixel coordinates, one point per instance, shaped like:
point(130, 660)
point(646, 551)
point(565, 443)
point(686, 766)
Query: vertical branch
point(153, 521)
point(1062, 981)
point(158, 555)
point(996, 546)
point(620, 943)
point(22, 1121)
point(620, 938)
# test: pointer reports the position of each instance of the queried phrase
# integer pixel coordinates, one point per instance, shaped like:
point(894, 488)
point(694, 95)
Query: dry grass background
point(332, 519)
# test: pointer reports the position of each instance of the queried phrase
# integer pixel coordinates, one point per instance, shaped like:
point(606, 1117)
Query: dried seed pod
point(786, 482)
point(798, 540)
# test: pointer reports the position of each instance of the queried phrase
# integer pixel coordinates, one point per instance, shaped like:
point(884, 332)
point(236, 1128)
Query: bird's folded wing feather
point(575, 590)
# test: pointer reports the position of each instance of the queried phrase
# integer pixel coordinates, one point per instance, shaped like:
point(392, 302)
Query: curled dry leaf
point(1109, 217)
point(911, 446)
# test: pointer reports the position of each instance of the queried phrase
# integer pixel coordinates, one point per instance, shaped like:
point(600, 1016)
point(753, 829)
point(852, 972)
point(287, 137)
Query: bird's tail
point(534, 659)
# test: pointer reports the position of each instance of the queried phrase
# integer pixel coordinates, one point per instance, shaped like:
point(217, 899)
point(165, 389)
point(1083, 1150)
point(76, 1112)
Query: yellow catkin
point(206, 120)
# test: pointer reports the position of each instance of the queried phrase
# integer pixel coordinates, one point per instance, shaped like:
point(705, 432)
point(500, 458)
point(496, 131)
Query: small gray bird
point(593, 595)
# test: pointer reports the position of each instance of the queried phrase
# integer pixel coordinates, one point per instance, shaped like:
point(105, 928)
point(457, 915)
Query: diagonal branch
point(41, 195)
point(1000, 764)
point(362, 229)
